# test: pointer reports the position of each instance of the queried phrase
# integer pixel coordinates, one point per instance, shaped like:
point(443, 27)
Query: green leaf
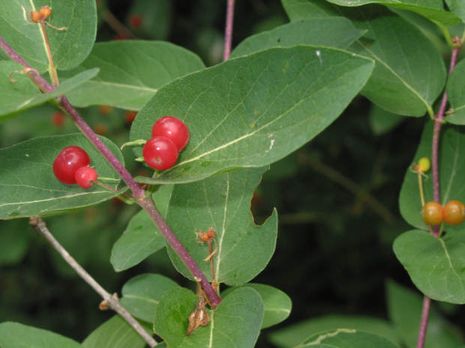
point(29, 187)
point(436, 266)
point(142, 294)
point(409, 73)
point(346, 338)
point(457, 7)
point(141, 237)
point(114, 333)
point(222, 202)
point(235, 323)
point(306, 9)
point(131, 72)
point(69, 47)
point(456, 93)
point(328, 31)
point(297, 333)
point(451, 173)
point(19, 93)
point(15, 335)
point(431, 9)
point(254, 110)
point(404, 307)
point(276, 303)
point(382, 121)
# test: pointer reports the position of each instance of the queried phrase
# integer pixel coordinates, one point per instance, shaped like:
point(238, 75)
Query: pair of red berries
point(453, 213)
point(71, 166)
point(170, 136)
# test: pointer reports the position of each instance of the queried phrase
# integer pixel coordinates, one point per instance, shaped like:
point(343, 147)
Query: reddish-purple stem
point(181, 251)
point(423, 322)
point(228, 32)
point(438, 121)
point(139, 194)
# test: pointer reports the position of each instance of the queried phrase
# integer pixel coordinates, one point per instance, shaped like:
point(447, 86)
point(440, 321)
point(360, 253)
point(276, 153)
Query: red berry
point(172, 128)
point(68, 161)
point(58, 119)
point(135, 21)
point(160, 153)
point(86, 176)
point(454, 212)
point(432, 213)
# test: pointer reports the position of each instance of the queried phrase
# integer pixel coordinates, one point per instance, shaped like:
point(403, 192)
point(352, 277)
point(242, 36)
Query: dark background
point(334, 250)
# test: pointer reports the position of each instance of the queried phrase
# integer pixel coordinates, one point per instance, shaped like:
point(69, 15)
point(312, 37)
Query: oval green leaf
point(254, 110)
point(294, 334)
point(222, 202)
point(431, 9)
point(276, 303)
point(409, 74)
point(131, 72)
point(19, 93)
point(142, 294)
point(29, 187)
point(141, 237)
point(404, 308)
point(234, 323)
point(456, 93)
point(457, 7)
point(114, 333)
point(13, 335)
point(346, 338)
point(435, 265)
point(69, 46)
point(329, 31)
point(298, 10)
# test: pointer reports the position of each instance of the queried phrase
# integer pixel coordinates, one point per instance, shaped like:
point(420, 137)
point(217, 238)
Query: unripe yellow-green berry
point(424, 164)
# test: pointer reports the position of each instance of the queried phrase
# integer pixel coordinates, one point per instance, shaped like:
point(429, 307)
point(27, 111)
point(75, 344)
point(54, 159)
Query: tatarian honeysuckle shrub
point(275, 92)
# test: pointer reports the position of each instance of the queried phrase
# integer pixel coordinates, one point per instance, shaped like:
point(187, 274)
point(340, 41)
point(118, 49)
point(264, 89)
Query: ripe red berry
point(432, 213)
point(68, 161)
point(454, 212)
point(86, 176)
point(172, 128)
point(160, 153)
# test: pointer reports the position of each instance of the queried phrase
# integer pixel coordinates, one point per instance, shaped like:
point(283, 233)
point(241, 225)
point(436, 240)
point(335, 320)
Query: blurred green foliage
point(337, 198)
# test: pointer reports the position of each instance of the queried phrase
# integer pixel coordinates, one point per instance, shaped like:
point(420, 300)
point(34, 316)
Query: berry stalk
point(138, 192)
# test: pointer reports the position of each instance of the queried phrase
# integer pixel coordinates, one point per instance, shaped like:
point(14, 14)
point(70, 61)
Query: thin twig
point(145, 201)
point(438, 121)
point(350, 186)
point(228, 32)
point(110, 300)
point(116, 25)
